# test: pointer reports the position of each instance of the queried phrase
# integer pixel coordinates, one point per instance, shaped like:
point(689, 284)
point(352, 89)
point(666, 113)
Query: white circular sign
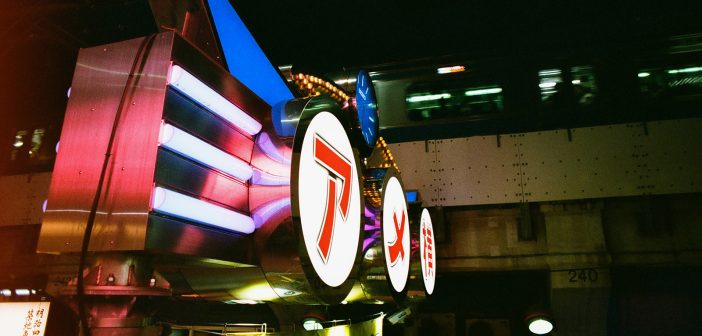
point(329, 198)
point(427, 251)
point(396, 237)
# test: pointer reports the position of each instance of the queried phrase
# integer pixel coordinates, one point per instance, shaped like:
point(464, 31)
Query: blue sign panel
point(245, 59)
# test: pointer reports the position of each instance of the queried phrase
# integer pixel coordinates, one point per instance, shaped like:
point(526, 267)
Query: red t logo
point(397, 249)
point(340, 171)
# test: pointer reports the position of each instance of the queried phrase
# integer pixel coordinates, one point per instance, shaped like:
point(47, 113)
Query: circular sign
point(427, 251)
point(328, 190)
point(396, 234)
point(367, 107)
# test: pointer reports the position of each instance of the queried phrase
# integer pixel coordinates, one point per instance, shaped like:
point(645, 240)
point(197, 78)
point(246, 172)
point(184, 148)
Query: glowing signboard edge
point(429, 289)
point(402, 295)
point(321, 290)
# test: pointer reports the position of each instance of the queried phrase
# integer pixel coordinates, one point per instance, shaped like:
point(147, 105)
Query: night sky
point(324, 35)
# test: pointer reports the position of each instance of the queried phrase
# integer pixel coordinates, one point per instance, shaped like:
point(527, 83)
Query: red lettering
point(340, 168)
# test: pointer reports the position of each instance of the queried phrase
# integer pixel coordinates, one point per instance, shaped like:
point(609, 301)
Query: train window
point(567, 87)
point(680, 83)
point(584, 86)
point(452, 100)
point(549, 79)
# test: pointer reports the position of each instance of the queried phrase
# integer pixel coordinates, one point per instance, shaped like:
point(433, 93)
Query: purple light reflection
point(265, 143)
point(262, 178)
point(264, 213)
point(371, 227)
point(370, 241)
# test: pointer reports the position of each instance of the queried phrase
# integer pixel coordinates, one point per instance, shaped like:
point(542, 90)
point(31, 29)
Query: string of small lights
point(315, 86)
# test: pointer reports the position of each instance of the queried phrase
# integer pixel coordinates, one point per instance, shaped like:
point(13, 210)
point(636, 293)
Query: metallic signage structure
point(181, 158)
point(174, 135)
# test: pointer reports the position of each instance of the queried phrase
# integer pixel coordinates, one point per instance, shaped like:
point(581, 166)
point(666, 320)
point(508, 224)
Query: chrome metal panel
point(189, 116)
point(129, 183)
point(180, 173)
point(22, 198)
point(418, 162)
point(219, 79)
point(96, 91)
point(167, 235)
point(219, 283)
point(191, 20)
point(478, 170)
point(123, 213)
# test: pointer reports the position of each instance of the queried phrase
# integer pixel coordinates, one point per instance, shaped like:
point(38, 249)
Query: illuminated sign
point(23, 318)
point(427, 251)
point(198, 91)
point(329, 196)
point(396, 237)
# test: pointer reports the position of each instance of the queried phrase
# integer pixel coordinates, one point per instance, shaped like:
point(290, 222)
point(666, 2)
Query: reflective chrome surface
point(98, 86)
point(123, 222)
point(178, 173)
point(190, 19)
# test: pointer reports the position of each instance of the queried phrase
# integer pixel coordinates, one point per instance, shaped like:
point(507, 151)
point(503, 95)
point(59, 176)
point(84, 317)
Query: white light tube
point(546, 85)
point(483, 91)
point(450, 69)
point(345, 81)
point(685, 70)
point(176, 204)
point(438, 96)
point(192, 87)
point(180, 141)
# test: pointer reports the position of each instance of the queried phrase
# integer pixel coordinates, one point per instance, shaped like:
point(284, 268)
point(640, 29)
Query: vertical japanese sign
point(23, 318)
point(396, 238)
point(330, 208)
point(427, 251)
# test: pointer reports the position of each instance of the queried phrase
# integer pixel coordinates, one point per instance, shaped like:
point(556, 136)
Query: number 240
point(583, 275)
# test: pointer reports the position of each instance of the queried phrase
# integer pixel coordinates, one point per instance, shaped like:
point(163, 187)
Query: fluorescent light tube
point(192, 87)
point(685, 70)
point(483, 91)
point(417, 99)
point(176, 204)
point(183, 143)
point(450, 69)
point(546, 85)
